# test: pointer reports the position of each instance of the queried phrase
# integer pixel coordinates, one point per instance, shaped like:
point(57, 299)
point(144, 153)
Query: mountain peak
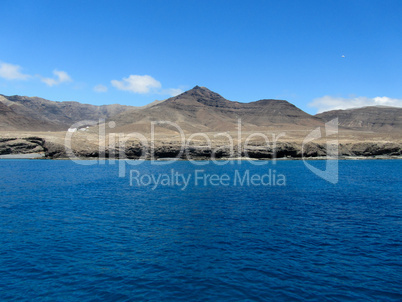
point(199, 96)
point(200, 89)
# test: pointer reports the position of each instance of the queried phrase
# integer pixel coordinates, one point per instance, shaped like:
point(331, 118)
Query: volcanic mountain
point(37, 114)
point(200, 109)
point(10, 120)
point(373, 118)
point(196, 110)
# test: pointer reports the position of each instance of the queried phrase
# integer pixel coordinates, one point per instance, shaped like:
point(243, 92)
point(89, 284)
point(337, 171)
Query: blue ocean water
point(70, 232)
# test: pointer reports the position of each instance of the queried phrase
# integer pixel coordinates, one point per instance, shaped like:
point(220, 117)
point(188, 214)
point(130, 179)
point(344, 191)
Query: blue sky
point(316, 54)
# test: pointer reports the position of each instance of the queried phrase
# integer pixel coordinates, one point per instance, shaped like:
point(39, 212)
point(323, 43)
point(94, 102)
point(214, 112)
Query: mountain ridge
point(368, 118)
point(54, 116)
point(200, 109)
point(197, 109)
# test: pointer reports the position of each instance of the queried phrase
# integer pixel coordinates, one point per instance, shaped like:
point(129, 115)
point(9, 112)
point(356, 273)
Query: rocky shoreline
point(12, 147)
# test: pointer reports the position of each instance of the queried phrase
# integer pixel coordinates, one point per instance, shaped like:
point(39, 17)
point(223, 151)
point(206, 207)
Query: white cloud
point(138, 84)
point(172, 91)
point(327, 102)
point(143, 84)
point(12, 72)
point(100, 88)
point(61, 77)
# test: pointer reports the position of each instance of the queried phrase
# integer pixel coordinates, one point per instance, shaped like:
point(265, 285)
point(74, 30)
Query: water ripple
point(74, 233)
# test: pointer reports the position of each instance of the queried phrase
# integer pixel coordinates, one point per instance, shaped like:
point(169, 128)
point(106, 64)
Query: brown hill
point(200, 109)
point(11, 120)
point(196, 110)
point(373, 118)
point(33, 113)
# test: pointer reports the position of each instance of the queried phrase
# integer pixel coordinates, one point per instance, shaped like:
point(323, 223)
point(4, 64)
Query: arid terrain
point(197, 124)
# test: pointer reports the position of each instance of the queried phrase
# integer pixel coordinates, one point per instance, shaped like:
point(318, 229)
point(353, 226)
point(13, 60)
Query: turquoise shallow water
point(81, 233)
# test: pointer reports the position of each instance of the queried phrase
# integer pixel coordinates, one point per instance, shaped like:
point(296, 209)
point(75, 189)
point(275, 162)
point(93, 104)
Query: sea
point(239, 231)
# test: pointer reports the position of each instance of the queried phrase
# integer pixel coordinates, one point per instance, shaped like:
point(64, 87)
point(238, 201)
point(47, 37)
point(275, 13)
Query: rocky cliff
point(293, 150)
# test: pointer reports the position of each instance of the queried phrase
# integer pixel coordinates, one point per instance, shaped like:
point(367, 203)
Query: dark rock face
point(21, 145)
point(53, 150)
point(31, 145)
point(374, 118)
point(282, 150)
point(373, 149)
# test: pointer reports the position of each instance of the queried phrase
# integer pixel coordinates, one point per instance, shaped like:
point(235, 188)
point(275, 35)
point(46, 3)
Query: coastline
point(165, 149)
point(43, 157)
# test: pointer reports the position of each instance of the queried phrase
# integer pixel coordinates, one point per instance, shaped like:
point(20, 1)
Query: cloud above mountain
point(60, 77)
point(12, 72)
point(172, 91)
point(137, 83)
point(100, 88)
point(143, 84)
point(327, 102)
